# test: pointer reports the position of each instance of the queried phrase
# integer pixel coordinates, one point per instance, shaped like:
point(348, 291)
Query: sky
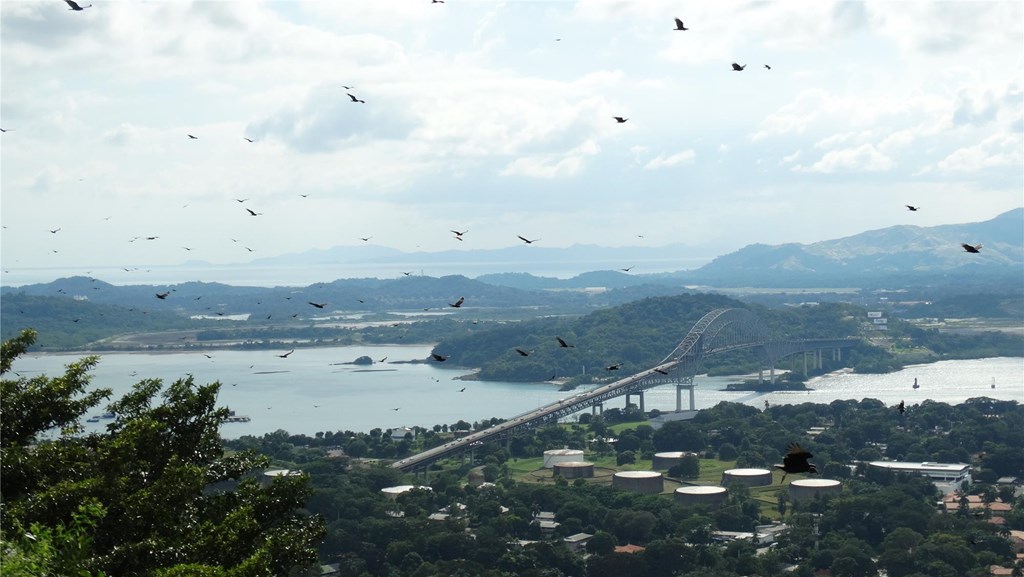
point(496, 118)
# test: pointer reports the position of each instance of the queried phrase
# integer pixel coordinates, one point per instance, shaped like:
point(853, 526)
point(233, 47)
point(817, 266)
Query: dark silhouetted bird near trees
point(318, 305)
point(457, 303)
point(902, 408)
point(795, 461)
point(563, 344)
point(163, 295)
point(438, 358)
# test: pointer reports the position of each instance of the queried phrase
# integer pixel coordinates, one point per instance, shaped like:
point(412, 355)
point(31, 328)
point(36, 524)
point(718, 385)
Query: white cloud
point(662, 161)
point(861, 158)
point(995, 151)
point(551, 165)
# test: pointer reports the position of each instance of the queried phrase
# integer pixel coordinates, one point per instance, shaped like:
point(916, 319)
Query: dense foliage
point(153, 495)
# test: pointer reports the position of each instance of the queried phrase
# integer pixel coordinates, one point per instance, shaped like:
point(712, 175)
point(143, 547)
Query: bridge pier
point(679, 397)
point(597, 409)
point(641, 394)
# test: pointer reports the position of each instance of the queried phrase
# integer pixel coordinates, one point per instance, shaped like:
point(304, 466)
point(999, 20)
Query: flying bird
point(318, 305)
point(523, 353)
point(661, 371)
point(458, 234)
point(901, 408)
point(528, 241)
point(354, 99)
point(563, 344)
point(679, 25)
point(462, 390)
point(438, 358)
point(457, 303)
point(163, 295)
point(396, 408)
point(189, 135)
point(382, 360)
point(620, 119)
point(912, 208)
point(55, 231)
point(248, 139)
point(365, 239)
point(240, 201)
point(737, 67)
point(627, 269)
point(74, 6)
point(285, 356)
point(6, 130)
point(614, 367)
point(971, 248)
point(767, 67)
point(795, 461)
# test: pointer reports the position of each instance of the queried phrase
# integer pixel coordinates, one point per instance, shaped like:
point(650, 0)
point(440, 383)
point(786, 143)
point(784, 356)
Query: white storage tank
point(554, 456)
point(269, 476)
point(665, 461)
point(574, 470)
point(808, 489)
point(646, 482)
point(748, 477)
point(701, 495)
point(393, 492)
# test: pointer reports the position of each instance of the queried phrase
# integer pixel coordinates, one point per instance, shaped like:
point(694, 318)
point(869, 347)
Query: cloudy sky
point(496, 118)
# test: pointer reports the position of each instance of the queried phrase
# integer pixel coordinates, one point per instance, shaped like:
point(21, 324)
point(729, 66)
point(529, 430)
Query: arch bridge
point(719, 331)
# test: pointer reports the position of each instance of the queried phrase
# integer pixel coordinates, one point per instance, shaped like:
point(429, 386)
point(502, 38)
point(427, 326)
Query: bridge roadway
point(653, 377)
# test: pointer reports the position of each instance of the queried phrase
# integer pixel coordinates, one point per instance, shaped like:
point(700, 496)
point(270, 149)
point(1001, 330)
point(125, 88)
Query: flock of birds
point(796, 459)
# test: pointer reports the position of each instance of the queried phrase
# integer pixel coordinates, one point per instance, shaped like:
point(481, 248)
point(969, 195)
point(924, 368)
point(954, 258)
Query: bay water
point(316, 389)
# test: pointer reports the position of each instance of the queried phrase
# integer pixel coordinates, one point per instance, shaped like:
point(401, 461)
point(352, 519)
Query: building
point(577, 543)
point(947, 477)
point(629, 548)
point(399, 433)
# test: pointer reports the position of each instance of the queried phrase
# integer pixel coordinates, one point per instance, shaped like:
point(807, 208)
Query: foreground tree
point(169, 501)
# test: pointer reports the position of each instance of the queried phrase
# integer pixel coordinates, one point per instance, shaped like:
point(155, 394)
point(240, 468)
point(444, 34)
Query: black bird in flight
point(240, 201)
point(975, 248)
point(437, 1)
point(382, 360)
point(462, 390)
point(737, 67)
point(55, 231)
point(406, 273)
point(912, 208)
point(285, 356)
point(457, 303)
point(354, 99)
point(189, 135)
point(318, 305)
point(6, 130)
point(528, 241)
point(253, 212)
point(396, 408)
point(679, 25)
point(438, 358)
point(901, 408)
point(163, 295)
point(365, 239)
point(523, 353)
point(248, 139)
point(74, 6)
point(614, 367)
point(620, 119)
point(661, 371)
point(458, 234)
point(347, 87)
point(795, 461)
point(563, 344)
point(767, 67)
point(627, 269)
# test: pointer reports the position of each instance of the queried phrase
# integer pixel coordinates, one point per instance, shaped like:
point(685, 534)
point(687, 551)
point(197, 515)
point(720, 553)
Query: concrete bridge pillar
point(679, 397)
point(639, 394)
point(597, 409)
point(821, 363)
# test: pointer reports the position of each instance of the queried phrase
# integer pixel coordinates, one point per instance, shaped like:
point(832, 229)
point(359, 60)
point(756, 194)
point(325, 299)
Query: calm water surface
point(309, 392)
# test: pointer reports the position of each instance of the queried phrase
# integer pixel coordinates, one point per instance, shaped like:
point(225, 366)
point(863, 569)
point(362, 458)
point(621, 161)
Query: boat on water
point(93, 419)
point(233, 418)
point(107, 415)
point(916, 386)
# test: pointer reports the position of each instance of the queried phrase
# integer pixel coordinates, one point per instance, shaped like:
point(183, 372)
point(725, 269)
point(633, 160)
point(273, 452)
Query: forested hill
point(636, 336)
